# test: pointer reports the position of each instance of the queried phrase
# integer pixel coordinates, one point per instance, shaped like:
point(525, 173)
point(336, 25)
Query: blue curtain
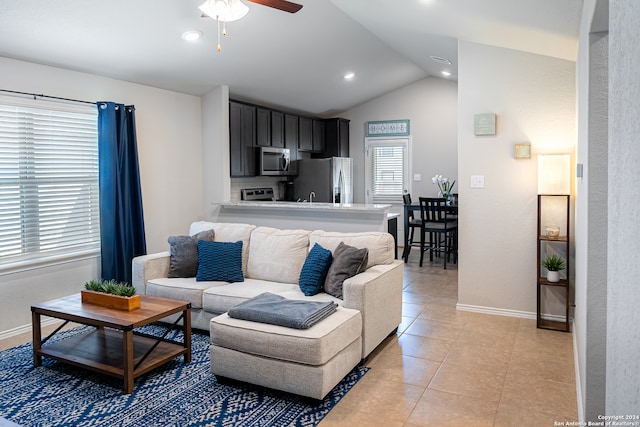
point(121, 218)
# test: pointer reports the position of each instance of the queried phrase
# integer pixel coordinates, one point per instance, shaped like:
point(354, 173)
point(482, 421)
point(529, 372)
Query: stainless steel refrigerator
point(330, 179)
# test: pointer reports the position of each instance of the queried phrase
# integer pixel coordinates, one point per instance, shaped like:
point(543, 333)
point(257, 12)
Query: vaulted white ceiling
point(294, 61)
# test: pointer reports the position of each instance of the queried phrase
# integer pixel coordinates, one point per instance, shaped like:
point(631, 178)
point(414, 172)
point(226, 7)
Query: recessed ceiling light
point(191, 35)
point(349, 75)
point(440, 60)
point(446, 73)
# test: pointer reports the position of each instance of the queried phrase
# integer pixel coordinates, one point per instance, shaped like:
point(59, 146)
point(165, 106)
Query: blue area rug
point(176, 394)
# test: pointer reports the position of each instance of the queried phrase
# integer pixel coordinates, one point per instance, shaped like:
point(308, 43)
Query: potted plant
point(111, 294)
point(554, 264)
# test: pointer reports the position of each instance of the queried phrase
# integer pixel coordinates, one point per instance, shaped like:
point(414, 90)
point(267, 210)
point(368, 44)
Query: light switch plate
point(477, 181)
point(417, 177)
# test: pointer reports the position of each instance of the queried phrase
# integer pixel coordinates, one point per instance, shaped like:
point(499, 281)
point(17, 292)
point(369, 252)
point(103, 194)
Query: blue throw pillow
point(314, 270)
point(220, 261)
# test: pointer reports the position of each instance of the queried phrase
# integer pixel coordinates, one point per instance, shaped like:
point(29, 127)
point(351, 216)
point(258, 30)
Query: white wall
point(607, 295)
point(170, 152)
point(215, 150)
point(431, 105)
point(590, 318)
point(534, 99)
point(623, 246)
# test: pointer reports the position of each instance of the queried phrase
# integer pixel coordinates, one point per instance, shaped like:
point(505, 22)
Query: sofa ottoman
point(308, 362)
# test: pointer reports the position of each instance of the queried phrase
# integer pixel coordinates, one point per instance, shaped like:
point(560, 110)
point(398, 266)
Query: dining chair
point(412, 223)
point(452, 212)
point(441, 229)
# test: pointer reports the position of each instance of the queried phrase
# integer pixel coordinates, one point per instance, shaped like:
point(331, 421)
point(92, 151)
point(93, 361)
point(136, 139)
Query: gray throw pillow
point(347, 262)
point(183, 260)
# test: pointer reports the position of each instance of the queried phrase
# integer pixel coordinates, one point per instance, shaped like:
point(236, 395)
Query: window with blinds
point(387, 169)
point(49, 205)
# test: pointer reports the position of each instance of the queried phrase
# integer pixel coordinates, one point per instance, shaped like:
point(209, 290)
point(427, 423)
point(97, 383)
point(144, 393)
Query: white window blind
point(49, 205)
point(387, 169)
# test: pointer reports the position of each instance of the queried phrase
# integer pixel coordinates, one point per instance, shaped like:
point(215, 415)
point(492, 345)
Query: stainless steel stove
point(257, 194)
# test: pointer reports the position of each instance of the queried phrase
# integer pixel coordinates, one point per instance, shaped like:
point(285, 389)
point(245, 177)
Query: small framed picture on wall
point(523, 151)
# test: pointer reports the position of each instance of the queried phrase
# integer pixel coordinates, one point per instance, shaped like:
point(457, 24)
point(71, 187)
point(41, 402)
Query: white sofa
point(271, 262)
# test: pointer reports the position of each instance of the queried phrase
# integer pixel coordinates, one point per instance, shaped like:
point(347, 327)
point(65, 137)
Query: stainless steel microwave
point(274, 161)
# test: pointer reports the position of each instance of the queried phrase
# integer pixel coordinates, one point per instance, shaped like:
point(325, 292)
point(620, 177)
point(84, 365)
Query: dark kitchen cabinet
point(269, 128)
point(311, 134)
point(263, 127)
point(277, 129)
point(291, 140)
point(253, 126)
point(336, 141)
point(318, 135)
point(305, 134)
point(242, 137)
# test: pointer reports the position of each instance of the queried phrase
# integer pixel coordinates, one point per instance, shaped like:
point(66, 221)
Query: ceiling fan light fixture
point(231, 10)
point(224, 10)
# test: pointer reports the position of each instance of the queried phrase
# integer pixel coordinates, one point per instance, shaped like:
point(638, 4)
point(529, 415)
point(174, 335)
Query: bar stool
point(412, 223)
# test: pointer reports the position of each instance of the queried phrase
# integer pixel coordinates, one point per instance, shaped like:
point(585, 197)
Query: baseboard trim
point(496, 311)
point(45, 321)
point(509, 313)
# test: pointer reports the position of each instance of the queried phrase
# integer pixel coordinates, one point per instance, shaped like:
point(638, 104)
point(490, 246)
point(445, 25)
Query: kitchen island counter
point(315, 206)
point(304, 215)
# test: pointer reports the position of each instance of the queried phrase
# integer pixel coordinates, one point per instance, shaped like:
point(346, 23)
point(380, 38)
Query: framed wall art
point(484, 124)
point(388, 128)
point(522, 151)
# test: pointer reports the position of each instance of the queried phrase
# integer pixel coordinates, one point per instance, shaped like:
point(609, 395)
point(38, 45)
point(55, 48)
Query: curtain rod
point(35, 95)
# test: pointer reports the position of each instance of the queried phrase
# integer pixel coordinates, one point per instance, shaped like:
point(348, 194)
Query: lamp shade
point(554, 174)
point(224, 10)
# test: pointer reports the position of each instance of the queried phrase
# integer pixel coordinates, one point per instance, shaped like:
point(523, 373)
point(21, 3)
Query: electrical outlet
point(477, 181)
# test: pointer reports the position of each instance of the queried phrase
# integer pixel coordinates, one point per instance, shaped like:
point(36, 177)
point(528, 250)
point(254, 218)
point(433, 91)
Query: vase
point(445, 196)
point(553, 276)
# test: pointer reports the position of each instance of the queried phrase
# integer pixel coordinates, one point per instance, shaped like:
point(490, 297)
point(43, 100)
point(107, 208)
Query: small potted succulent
point(111, 294)
point(554, 264)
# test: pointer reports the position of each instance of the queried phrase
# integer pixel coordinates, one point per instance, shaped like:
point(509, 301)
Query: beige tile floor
point(453, 368)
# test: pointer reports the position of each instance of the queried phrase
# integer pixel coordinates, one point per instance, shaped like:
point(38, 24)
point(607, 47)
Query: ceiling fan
point(283, 5)
point(231, 10)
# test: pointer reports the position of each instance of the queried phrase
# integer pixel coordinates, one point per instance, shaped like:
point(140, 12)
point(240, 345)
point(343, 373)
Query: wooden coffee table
point(113, 347)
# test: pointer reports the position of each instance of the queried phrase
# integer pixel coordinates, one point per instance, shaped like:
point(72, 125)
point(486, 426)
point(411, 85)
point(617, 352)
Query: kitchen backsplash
point(238, 184)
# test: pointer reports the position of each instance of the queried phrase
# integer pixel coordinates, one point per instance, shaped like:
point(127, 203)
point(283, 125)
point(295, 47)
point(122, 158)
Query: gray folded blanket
point(277, 310)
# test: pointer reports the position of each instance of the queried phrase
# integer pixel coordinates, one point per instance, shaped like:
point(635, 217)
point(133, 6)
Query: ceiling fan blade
point(284, 5)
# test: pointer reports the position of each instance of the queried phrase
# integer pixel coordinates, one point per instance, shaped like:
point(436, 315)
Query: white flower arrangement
point(443, 184)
